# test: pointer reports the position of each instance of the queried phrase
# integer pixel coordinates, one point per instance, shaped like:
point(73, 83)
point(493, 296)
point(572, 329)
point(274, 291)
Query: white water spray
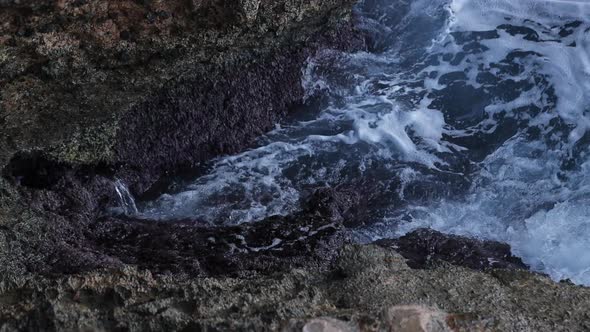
point(126, 200)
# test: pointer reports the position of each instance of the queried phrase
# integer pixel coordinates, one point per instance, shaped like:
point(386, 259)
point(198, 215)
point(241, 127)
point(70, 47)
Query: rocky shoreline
point(362, 283)
point(92, 92)
point(199, 79)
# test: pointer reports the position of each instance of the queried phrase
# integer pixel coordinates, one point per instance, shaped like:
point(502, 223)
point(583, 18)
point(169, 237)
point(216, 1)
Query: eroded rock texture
point(359, 292)
point(93, 91)
point(151, 87)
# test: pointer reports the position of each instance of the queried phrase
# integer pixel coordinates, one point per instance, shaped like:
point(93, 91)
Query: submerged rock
point(424, 247)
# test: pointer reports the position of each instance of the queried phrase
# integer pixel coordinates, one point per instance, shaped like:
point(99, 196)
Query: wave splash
point(473, 117)
point(532, 188)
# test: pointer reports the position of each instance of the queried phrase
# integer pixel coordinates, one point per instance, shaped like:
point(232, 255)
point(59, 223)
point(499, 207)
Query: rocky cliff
point(95, 91)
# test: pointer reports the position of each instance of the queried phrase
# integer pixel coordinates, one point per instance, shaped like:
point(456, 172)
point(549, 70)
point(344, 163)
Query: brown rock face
point(355, 292)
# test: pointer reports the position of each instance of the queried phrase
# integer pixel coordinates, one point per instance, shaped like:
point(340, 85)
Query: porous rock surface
point(93, 91)
point(148, 87)
point(363, 285)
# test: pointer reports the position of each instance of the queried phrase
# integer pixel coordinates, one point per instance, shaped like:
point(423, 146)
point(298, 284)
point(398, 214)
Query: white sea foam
point(523, 195)
point(241, 188)
point(518, 199)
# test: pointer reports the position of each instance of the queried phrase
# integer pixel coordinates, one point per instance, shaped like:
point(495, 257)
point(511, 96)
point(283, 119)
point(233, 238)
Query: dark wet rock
point(424, 247)
point(527, 33)
point(237, 106)
point(190, 247)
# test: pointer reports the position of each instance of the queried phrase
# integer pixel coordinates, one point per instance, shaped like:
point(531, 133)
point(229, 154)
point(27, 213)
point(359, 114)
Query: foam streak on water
point(470, 116)
point(126, 200)
point(533, 190)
